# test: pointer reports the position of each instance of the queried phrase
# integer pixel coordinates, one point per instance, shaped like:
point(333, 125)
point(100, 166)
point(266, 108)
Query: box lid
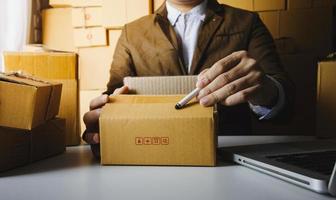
point(139, 106)
point(23, 80)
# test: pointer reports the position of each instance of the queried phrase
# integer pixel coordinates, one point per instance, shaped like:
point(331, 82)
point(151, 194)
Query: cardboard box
point(153, 132)
point(242, 4)
point(27, 102)
point(116, 13)
point(272, 21)
point(46, 65)
point(267, 5)
point(57, 30)
point(90, 37)
point(256, 5)
point(95, 63)
point(58, 67)
point(86, 17)
point(317, 37)
point(94, 67)
point(74, 3)
point(14, 148)
point(70, 110)
point(157, 4)
point(85, 98)
point(161, 85)
point(326, 98)
point(299, 4)
point(20, 147)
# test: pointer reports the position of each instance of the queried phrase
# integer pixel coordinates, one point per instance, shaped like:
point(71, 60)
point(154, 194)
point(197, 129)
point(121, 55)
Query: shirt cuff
point(265, 113)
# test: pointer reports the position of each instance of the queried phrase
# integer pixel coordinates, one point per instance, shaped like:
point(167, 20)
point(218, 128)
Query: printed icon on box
point(147, 141)
point(165, 140)
point(139, 141)
point(156, 140)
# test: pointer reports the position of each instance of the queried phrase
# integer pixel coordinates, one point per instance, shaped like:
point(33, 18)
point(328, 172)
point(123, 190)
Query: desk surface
point(76, 175)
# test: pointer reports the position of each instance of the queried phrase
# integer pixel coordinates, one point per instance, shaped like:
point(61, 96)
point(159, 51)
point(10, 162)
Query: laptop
point(309, 164)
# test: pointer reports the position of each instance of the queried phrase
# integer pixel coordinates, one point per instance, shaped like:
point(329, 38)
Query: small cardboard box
point(74, 3)
point(27, 102)
point(148, 130)
point(116, 13)
point(326, 98)
point(57, 30)
point(20, 147)
point(86, 17)
point(90, 37)
point(58, 67)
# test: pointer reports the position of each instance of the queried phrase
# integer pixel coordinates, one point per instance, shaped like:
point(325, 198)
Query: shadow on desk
point(74, 157)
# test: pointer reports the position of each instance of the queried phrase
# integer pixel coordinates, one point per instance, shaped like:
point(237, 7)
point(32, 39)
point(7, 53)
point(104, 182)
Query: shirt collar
point(198, 11)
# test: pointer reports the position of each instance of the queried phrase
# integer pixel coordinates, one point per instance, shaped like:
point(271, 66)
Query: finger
point(241, 97)
point(220, 67)
point(91, 119)
point(122, 90)
point(222, 93)
point(223, 79)
point(99, 102)
point(91, 138)
point(200, 74)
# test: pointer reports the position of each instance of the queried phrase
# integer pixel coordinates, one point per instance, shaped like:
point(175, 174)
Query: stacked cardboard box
point(90, 28)
point(29, 130)
point(60, 67)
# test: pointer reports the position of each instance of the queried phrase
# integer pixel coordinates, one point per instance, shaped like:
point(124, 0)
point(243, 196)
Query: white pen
point(187, 98)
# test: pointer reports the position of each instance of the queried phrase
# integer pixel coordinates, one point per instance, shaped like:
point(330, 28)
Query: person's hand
point(236, 79)
point(91, 118)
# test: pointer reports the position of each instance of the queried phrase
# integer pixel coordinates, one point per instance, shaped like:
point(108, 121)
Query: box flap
point(23, 79)
point(161, 85)
point(134, 106)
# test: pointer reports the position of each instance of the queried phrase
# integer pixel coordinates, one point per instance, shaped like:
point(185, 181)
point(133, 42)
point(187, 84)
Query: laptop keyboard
point(322, 162)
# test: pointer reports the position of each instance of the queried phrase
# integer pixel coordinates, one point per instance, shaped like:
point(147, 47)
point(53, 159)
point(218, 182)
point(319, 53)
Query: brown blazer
point(149, 47)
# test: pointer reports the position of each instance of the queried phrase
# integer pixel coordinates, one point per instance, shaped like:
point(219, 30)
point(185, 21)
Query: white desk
point(76, 175)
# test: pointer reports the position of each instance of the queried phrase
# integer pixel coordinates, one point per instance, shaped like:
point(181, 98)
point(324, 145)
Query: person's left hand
point(236, 79)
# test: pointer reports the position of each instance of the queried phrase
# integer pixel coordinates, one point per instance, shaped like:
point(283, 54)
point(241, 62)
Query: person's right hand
point(91, 118)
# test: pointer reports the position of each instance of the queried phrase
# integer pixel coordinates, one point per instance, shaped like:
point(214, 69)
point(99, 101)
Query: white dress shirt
point(187, 25)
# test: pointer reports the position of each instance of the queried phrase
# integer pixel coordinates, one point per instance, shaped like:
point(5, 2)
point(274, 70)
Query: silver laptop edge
point(320, 186)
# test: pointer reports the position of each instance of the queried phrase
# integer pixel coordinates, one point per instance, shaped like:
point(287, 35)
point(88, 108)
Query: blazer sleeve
point(261, 47)
point(122, 64)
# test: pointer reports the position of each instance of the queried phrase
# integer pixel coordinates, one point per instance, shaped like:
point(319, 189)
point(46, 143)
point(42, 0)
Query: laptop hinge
point(332, 182)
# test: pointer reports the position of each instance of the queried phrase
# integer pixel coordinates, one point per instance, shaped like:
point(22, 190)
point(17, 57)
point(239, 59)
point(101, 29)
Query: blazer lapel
point(168, 31)
point(206, 33)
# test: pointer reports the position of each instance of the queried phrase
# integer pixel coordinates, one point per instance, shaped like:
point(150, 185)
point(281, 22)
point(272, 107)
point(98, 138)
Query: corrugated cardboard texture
point(147, 130)
point(161, 85)
point(326, 98)
point(48, 65)
point(61, 68)
point(20, 147)
point(26, 103)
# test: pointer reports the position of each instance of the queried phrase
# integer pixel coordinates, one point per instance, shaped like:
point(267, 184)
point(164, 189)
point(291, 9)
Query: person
point(230, 49)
